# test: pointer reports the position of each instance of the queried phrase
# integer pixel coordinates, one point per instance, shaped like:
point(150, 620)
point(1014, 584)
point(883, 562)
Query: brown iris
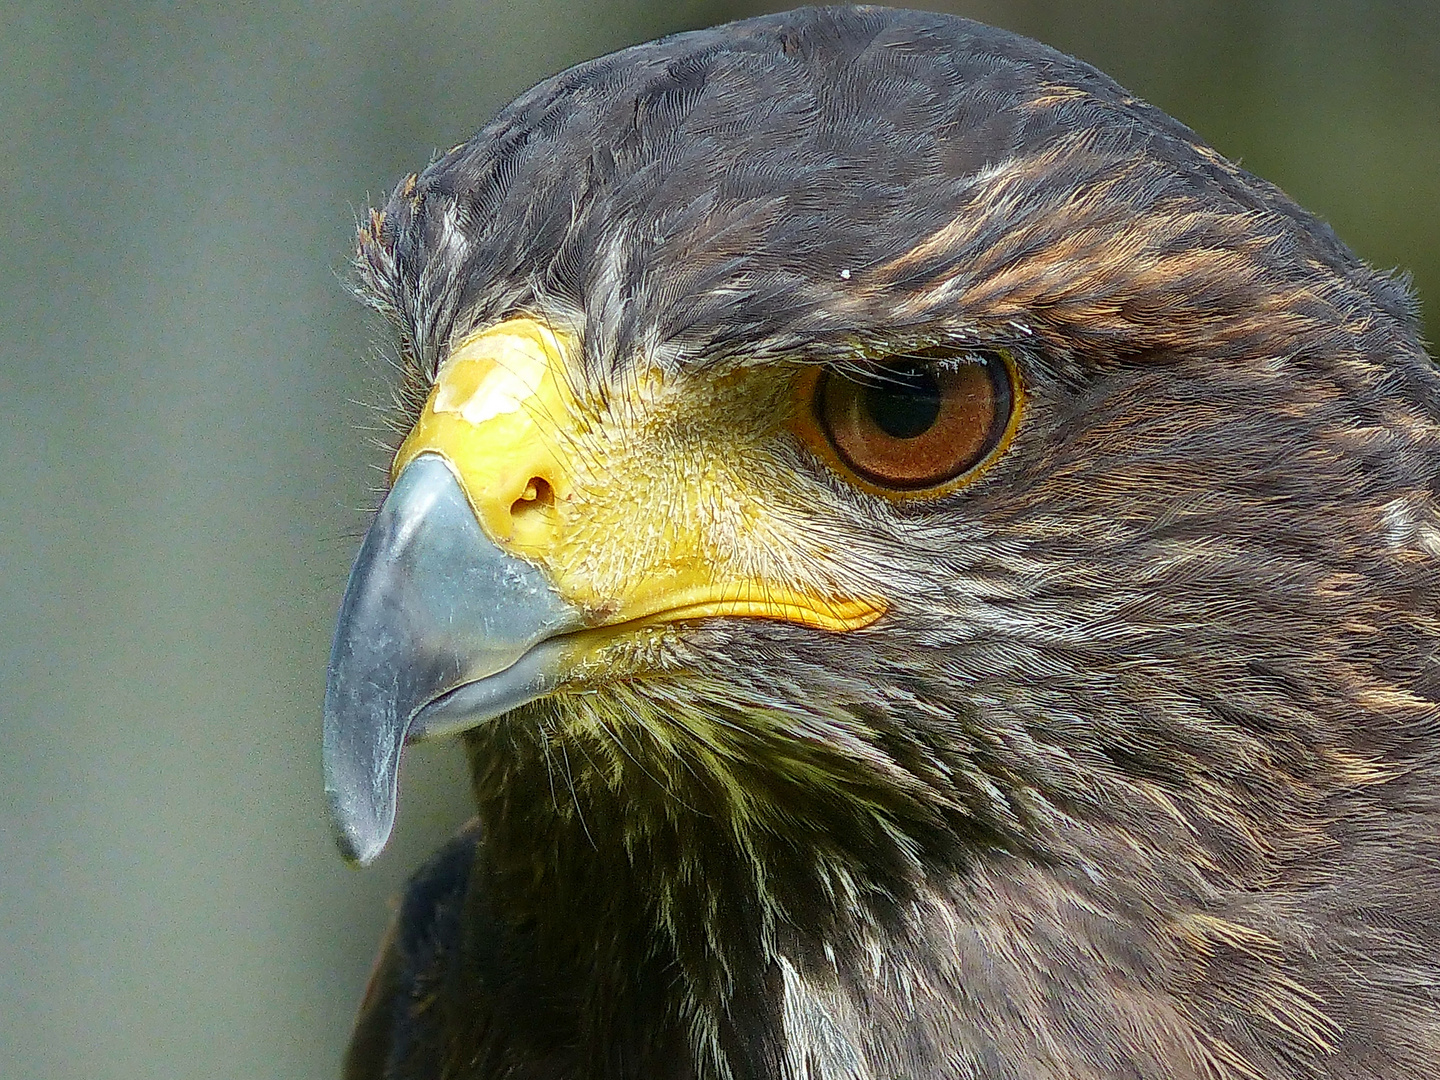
point(917, 422)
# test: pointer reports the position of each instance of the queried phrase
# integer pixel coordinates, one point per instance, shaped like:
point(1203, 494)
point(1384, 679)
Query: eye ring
point(920, 424)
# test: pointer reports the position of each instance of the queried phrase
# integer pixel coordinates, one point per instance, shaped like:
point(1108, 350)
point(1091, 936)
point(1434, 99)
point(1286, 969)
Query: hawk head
point(935, 568)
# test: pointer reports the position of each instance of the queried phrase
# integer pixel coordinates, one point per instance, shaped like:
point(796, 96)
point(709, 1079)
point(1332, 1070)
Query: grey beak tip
point(359, 837)
point(357, 853)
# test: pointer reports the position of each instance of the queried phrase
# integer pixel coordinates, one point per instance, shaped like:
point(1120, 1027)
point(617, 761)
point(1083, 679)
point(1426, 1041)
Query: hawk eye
point(917, 422)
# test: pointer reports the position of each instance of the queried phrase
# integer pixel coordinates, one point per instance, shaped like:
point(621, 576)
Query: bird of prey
point(935, 572)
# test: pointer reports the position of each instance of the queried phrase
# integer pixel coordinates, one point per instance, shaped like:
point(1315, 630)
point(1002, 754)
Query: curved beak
point(440, 630)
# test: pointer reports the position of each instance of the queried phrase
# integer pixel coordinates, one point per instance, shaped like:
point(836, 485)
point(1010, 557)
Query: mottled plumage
point(1139, 773)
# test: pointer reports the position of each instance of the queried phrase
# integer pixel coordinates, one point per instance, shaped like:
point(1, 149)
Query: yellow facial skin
point(649, 506)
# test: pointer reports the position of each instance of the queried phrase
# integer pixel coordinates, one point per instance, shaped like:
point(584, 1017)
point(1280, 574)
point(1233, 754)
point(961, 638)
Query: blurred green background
point(187, 453)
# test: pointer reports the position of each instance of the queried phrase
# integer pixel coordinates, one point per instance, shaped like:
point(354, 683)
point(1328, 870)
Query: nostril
point(537, 494)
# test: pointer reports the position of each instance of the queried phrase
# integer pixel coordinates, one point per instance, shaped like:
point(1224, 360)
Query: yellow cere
point(628, 506)
point(492, 415)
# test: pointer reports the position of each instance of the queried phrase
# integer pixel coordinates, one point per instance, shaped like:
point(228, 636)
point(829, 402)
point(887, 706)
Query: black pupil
point(906, 404)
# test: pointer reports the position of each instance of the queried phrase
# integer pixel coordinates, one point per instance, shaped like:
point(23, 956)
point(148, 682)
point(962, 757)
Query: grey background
point(187, 455)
